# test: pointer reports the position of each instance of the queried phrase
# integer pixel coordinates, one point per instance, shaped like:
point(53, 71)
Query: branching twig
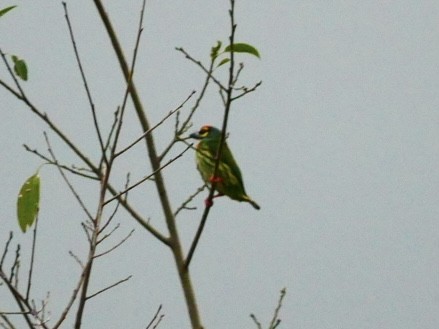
point(117, 196)
point(51, 162)
point(186, 124)
point(189, 199)
point(276, 321)
point(129, 84)
point(26, 308)
point(156, 318)
point(247, 91)
point(108, 234)
point(113, 214)
point(115, 246)
point(198, 63)
point(155, 126)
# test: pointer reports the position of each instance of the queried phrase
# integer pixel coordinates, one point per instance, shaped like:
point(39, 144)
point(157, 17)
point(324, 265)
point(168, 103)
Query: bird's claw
point(215, 179)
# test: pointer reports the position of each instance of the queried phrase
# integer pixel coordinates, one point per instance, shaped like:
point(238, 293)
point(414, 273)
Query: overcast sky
point(339, 146)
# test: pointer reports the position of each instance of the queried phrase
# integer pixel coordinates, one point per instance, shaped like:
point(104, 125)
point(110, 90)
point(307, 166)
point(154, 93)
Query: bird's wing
point(228, 159)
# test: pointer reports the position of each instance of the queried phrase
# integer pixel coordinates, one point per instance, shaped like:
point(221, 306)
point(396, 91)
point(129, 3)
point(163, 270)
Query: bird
point(228, 180)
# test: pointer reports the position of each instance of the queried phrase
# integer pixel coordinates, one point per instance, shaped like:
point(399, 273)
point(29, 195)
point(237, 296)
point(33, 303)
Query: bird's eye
point(203, 131)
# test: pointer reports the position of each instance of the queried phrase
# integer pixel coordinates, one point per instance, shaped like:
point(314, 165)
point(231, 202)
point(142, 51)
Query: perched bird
point(228, 180)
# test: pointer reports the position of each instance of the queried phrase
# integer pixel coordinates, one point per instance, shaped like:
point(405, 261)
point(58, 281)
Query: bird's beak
point(195, 136)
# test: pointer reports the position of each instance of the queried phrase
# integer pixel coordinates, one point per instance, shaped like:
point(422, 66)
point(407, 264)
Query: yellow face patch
point(204, 131)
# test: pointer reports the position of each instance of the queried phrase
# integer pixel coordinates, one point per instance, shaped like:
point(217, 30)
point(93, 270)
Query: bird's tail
point(253, 203)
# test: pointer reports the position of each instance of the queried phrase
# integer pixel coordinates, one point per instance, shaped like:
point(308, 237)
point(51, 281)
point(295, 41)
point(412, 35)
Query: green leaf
point(5, 10)
point(28, 202)
point(224, 61)
point(214, 51)
point(243, 48)
point(20, 67)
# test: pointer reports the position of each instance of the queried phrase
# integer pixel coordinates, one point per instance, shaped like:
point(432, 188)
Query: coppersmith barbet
point(228, 180)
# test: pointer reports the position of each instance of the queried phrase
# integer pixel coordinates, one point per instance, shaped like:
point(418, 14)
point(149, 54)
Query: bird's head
point(207, 132)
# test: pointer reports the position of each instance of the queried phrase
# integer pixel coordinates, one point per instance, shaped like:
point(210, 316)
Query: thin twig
point(115, 246)
point(276, 321)
point(17, 83)
point(113, 214)
point(258, 324)
point(197, 102)
point(156, 318)
point(72, 298)
point(66, 180)
point(109, 287)
point(31, 266)
point(108, 234)
point(15, 266)
point(84, 79)
point(76, 258)
point(11, 235)
point(186, 124)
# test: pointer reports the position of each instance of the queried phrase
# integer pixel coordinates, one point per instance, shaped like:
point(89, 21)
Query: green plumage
point(228, 179)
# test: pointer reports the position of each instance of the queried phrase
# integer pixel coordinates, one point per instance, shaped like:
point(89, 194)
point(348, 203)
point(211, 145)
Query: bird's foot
point(218, 195)
point(215, 179)
point(208, 202)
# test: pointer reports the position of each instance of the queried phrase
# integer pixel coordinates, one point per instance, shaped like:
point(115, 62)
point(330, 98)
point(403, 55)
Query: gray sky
point(338, 146)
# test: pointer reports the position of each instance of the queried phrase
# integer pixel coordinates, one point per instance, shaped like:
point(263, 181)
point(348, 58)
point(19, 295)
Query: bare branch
point(228, 104)
point(275, 321)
